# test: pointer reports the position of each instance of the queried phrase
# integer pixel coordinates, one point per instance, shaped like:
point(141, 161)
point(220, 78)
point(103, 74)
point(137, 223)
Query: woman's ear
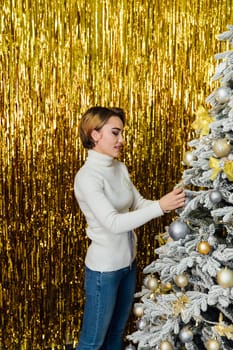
point(95, 135)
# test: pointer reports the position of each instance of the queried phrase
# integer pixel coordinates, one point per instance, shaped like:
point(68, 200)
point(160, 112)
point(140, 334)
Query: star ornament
point(202, 121)
point(180, 304)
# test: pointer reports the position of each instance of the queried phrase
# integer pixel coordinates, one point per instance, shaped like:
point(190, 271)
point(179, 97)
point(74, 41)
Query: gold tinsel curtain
point(153, 58)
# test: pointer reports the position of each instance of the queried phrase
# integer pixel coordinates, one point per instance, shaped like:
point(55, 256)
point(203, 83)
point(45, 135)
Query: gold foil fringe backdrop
point(57, 58)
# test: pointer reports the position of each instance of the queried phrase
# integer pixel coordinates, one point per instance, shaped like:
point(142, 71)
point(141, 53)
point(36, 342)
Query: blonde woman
point(113, 208)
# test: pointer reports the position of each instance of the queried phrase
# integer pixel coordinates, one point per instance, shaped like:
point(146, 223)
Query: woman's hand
point(172, 200)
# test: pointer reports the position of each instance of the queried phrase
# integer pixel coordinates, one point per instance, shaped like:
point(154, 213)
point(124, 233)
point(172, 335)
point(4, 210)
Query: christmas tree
point(186, 301)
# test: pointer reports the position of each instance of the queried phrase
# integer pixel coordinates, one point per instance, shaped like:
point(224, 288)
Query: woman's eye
point(116, 133)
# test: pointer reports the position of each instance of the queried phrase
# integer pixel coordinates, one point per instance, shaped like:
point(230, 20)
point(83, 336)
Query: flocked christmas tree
point(186, 301)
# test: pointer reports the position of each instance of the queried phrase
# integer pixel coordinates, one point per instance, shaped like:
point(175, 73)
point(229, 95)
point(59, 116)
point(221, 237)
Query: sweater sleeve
point(90, 195)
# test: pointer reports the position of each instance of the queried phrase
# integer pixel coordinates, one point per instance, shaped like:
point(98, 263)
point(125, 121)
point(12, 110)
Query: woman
point(113, 208)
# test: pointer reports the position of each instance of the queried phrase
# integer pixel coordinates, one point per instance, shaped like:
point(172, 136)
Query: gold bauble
point(138, 310)
point(203, 247)
point(181, 280)
point(165, 345)
point(152, 283)
point(145, 281)
point(188, 158)
point(212, 344)
point(225, 278)
point(166, 287)
point(221, 148)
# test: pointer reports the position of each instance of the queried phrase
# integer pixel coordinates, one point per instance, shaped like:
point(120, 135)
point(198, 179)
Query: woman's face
point(109, 139)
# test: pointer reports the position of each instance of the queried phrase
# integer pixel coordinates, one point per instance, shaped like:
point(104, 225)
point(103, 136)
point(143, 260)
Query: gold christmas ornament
point(212, 344)
point(166, 345)
point(221, 147)
point(152, 283)
point(145, 280)
point(138, 310)
point(181, 280)
point(188, 158)
point(165, 288)
point(225, 278)
point(203, 247)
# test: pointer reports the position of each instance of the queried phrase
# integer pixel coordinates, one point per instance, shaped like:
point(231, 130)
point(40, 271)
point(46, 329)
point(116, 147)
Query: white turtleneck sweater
point(112, 207)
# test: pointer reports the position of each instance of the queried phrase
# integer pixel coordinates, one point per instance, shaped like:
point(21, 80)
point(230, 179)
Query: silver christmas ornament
point(222, 94)
point(186, 335)
point(141, 324)
point(178, 229)
point(215, 196)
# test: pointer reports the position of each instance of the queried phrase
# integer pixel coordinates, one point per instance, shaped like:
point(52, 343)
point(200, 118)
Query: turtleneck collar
point(99, 158)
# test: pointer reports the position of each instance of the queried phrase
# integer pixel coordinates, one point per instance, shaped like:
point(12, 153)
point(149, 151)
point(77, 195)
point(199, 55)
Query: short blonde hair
point(94, 119)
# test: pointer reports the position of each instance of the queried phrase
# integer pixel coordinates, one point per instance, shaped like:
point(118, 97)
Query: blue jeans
point(109, 297)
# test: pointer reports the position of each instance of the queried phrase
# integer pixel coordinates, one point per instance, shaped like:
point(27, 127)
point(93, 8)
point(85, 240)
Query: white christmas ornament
point(225, 278)
point(181, 280)
point(222, 94)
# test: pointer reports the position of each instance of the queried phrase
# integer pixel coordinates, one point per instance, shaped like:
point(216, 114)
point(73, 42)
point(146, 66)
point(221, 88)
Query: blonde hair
point(94, 119)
